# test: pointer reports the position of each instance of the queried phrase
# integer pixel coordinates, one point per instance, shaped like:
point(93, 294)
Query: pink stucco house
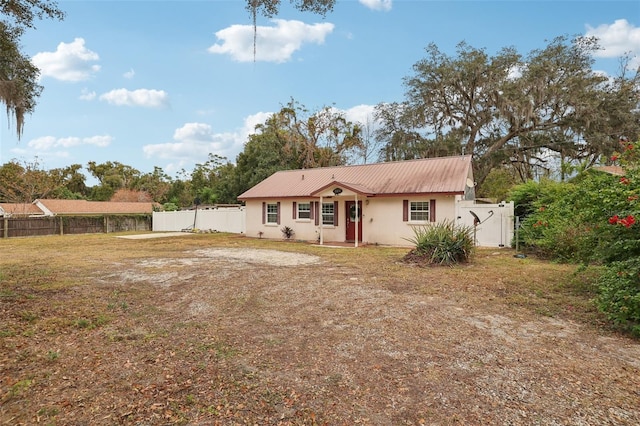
point(373, 203)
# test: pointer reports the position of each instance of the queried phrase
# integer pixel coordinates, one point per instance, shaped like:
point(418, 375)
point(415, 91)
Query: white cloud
point(43, 143)
point(86, 95)
point(362, 114)
point(193, 142)
point(69, 142)
point(251, 122)
point(24, 154)
point(273, 44)
point(46, 143)
point(194, 132)
point(70, 62)
point(384, 5)
point(99, 141)
point(616, 39)
point(129, 74)
point(141, 97)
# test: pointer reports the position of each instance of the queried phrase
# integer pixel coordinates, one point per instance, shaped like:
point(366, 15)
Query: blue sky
point(165, 83)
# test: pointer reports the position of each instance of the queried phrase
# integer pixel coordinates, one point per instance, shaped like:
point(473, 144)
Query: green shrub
point(568, 221)
point(170, 207)
point(555, 223)
point(619, 296)
point(444, 243)
point(528, 196)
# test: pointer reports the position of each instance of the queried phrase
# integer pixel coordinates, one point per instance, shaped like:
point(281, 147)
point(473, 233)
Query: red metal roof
point(614, 170)
point(424, 176)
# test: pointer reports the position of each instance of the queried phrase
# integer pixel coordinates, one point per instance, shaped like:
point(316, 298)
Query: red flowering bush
point(594, 219)
point(626, 221)
point(619, 285)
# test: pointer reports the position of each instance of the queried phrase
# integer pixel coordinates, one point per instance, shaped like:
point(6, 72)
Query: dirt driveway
point(250, 335)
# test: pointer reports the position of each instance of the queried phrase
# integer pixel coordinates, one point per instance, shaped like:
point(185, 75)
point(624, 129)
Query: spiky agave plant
point(443, 243)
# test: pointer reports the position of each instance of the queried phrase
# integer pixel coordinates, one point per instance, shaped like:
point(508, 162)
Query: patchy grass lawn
point(222, 329)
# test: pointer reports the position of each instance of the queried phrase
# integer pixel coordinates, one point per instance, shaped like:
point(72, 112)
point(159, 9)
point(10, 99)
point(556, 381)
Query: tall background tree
point(527, 113)
point(73, 183)
point(264, 153)
point(112, 177)
point(24, 182)
point(19, 88)
point(157, 184)
point(320, 139)
point(210, 181)
point(370, 145)
point(295, 138)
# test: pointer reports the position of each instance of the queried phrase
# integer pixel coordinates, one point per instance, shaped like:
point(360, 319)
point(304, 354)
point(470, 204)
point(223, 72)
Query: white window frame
point(301, 213)
point(415, 212)
point(271, 214)
point(331, 215)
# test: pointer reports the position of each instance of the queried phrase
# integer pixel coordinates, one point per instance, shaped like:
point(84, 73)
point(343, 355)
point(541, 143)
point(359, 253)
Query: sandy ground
point(255, 336)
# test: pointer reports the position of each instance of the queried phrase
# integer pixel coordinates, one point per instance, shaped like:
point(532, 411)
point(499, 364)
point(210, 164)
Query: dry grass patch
point(222, 329)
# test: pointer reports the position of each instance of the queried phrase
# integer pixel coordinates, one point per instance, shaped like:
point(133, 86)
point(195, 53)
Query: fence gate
point(493, 224)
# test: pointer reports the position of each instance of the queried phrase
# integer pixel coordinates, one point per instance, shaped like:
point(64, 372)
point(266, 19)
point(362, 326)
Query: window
point(419, 211)
point(327, 213)
point(304, 210)
point(272, 213)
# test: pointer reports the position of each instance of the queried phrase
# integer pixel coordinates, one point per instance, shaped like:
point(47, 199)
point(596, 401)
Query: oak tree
point(509, 109)
point(112, 176)
point(320, 139)
point(156, 183)
point(24, 182)
point(19, 88)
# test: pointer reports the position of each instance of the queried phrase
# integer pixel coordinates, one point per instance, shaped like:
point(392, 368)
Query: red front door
point(353, 218)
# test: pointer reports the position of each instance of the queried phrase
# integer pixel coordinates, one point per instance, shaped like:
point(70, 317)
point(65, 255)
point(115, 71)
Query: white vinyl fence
point(220, 219)
point(494, 224)
point(494, 228)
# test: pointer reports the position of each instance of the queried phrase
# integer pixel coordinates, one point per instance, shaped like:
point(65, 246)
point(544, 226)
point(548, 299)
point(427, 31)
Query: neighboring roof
point(614, 170)
point(19, 209)
point(425, 176)
point(69, 207)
